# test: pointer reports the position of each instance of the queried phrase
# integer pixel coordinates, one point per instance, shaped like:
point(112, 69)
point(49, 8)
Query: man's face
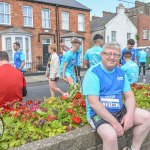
point(15, 47)
point(130, 46)
point(76, 45)
point(110, 58)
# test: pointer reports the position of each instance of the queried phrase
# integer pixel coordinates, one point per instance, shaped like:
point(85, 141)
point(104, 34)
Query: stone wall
point(79, 139)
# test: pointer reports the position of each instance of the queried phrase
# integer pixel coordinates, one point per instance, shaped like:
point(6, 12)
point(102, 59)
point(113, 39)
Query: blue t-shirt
point(93, 56)
point(60, 58)
point(70, 58)
point(108, 85)
point(78, 54)
point(18, 58)
point(142, 56)
point(132, 71)
point(133, 53)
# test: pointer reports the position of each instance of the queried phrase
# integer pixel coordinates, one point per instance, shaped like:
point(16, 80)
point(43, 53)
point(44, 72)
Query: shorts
point(95, 121)
point(54, 79)
point(68, 74)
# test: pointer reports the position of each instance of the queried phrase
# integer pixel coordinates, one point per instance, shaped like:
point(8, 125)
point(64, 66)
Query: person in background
point(130, 47)
point(92, 55)
point(131, 68)
point(69, 61)
point(77, 66)
point(19, 57)
point(12, 81)
point(142, 55)
point(52, 71)
point(103, 86)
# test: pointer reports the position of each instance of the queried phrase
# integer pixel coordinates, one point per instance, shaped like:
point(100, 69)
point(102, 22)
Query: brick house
point(37, 23)
point(140, 16)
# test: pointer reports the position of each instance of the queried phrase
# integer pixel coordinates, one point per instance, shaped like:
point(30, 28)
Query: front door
point(45, 43)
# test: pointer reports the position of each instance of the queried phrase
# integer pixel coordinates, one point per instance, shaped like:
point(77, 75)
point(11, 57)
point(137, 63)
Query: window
point(81, 22)
point(27, 16)
point(4, 13)
point(45, 18)
point(128, 36)
point(27, 48)
point(149, 35)
point(144, 33)
point(65, 20)
point(113, 36)
point(107, 38)
point(9, 48)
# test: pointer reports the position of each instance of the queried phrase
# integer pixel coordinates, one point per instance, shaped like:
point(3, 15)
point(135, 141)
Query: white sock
point(132, 148)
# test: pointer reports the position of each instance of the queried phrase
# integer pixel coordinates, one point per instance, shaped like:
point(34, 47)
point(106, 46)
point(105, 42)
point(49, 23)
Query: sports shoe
point(65, 94)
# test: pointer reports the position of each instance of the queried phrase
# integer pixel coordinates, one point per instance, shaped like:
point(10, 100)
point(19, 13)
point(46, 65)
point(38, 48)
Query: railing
point(34, 67)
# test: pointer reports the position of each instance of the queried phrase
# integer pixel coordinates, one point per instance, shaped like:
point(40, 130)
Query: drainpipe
point(57, 26)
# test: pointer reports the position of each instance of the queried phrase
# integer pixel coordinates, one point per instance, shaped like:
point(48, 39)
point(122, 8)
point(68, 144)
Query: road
point(41, 89)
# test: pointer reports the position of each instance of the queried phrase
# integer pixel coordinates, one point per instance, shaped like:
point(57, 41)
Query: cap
point(75, 40)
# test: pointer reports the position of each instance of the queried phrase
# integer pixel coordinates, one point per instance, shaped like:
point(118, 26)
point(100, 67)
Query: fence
point(34, 67)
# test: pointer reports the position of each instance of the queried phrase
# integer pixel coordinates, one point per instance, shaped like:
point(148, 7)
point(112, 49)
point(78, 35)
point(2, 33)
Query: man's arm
point(104, 114)
point(63, 71)
point(22, 64)
point(22, 58)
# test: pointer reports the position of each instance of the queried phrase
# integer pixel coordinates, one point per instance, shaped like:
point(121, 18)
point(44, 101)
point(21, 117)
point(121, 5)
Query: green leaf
point(12, 143)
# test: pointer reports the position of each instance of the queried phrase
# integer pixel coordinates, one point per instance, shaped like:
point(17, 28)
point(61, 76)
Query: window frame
point(66, 21)
point(145, 34)
point(4, 23)
point(83, 22)
point(47, 19)
point(113, 38)
point(27, 16)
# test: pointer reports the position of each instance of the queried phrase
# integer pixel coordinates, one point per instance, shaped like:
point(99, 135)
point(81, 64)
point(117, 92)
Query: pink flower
point(33, 108)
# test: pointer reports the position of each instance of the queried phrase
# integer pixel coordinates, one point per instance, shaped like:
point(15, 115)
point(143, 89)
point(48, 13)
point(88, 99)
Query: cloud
point(146, 1)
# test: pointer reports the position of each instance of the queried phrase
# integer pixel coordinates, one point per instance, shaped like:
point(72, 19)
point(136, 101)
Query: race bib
point(112, 102)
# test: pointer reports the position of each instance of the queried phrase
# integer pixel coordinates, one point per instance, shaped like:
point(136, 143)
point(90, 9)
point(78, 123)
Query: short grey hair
point(112, 45)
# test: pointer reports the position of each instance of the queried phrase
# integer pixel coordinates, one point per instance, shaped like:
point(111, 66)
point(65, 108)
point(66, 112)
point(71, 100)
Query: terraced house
point(37, 23)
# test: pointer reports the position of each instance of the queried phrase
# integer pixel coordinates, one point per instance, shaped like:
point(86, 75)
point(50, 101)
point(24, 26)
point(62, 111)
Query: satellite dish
point(1, 128)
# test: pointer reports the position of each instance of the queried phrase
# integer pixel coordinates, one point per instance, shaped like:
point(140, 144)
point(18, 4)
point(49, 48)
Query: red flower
point(76, 120)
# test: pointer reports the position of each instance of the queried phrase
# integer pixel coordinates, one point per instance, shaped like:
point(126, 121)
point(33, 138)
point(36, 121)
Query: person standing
point(12, 81)
point(131, 68)
point(103, 86)
point(69, 61)
point(142, 55)
point(52, 71)
point(77, 66)
point(92, 55)
point(19, 57)
point(130, 47)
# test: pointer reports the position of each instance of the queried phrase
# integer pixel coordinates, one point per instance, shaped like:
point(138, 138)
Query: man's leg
point(142, 127)
point(139, 69)
point(144, 69)
point(109, 137)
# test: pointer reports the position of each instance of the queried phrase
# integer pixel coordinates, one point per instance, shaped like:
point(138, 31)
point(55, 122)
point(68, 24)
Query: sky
point(98, 6)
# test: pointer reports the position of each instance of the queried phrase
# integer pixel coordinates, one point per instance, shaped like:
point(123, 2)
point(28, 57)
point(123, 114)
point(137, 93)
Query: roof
point(98, 23)
point(71, 34)
point(14, 30)
point(65, 3)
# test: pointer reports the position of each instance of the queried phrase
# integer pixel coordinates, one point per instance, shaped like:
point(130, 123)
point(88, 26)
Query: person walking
point(19, 57)
point(130, 47)
point(142, 55)
point(105, 109)
point(92, 55)
point(52, 70)
point(12, 81)
point(69, 61)
point(131, 68)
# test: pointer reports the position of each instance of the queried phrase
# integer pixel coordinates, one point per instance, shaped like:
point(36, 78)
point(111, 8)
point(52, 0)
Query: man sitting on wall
point(12, 81)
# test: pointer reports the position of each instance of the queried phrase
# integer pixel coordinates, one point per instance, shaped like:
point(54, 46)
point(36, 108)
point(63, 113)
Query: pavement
point(41, 78)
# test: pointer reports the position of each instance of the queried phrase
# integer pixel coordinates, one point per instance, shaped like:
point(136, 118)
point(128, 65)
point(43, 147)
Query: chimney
point(95, 17)
point(106, 13)
point(138, 3)
point(120, 9)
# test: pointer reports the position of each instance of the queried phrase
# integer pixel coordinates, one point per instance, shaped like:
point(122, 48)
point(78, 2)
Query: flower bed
point(36, 120)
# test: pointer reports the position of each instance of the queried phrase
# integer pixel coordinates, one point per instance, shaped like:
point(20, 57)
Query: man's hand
point(65, 79)
point(118, 128)
point(127, 121)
